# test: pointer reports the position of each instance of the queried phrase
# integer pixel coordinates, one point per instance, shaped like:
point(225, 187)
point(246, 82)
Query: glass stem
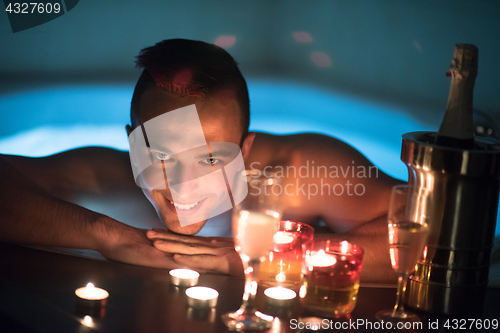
point(399, 309)
point(251, 270)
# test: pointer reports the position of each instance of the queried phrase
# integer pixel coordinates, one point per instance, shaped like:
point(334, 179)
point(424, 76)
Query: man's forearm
point(32, 216)
point(372, 237)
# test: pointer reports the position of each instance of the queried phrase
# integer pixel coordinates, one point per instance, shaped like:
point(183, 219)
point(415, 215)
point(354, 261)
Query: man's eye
point(211, 161)
point(161, 156)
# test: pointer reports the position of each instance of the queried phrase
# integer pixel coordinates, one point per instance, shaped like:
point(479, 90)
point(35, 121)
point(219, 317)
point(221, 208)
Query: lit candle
point(344, 247)
point(283, 241)
point(281, 277)
point(320, 259)
point(202, 297)
point(184, 277)
point(91, 300)
point(91, 293)
point(282, 237)
point(279, 296)
point(284, 264)
point(333, 270)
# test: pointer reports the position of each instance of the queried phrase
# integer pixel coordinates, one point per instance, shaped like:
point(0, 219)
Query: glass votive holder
point(283, 265)
point(332, 271)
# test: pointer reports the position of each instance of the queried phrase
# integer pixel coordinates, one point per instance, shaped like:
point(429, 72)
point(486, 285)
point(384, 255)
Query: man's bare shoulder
point(69, 155)
point(87, 169)
point(104, 167)
point(284, 149)
point(320, 174)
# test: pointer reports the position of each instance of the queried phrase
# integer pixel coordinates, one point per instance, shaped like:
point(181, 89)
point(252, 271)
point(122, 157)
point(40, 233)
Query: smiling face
point(183, 196)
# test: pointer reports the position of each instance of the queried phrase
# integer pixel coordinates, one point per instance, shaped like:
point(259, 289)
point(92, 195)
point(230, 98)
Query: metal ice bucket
point(456, 193)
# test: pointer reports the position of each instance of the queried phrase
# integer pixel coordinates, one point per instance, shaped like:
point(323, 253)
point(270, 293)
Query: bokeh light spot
point(225, 41)
point(321, 59)
point(302, 37)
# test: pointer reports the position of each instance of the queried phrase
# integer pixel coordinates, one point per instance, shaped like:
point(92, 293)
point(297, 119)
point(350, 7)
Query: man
point(41, 199)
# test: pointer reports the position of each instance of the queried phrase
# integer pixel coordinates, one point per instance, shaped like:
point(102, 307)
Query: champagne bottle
point(457, 128)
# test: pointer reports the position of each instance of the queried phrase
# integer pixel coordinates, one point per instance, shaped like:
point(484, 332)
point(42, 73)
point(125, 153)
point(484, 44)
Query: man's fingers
point(156, 233)
point(144, 256)
point(187, 248)
point(161, 234)
point(203, 261)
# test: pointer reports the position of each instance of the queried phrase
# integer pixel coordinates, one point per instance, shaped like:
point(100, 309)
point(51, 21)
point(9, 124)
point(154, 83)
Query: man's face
point(220, 120)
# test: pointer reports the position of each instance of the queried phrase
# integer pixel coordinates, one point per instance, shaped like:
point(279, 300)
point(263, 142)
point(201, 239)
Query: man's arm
point(83, 170)
point(32, 216)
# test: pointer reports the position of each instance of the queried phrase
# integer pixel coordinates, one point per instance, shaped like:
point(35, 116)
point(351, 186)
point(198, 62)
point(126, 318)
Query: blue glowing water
point(44, 121)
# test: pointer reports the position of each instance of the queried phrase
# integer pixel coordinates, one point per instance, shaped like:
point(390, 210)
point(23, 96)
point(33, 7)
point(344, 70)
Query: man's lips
point(185, 209)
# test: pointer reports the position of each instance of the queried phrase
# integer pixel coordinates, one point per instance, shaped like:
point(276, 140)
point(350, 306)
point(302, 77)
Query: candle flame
point(344, 247)
point(321, 253)
point(281, 277)
point(91, 292)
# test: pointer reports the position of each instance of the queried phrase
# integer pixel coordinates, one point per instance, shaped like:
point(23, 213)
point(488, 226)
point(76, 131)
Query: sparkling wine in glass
point(255, 221)
point(407, 238)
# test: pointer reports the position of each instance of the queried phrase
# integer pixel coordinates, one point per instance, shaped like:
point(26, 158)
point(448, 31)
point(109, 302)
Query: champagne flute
point(408, 234)
point(255, 221)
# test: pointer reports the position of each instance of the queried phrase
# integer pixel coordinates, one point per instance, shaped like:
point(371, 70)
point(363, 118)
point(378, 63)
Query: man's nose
point(183, 180)
point(182, 173)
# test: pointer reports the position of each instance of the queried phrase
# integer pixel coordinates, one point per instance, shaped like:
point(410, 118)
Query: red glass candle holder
point(332, 271)
point(283, 266)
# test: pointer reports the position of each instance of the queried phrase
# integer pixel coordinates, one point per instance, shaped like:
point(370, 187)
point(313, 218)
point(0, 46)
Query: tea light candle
point(282, 237)
point(320, 259)
point(279, 296)
point(91, 300)
point(184, 277)
point(91, 293)
point(331, 271)
point(283, 241)
point(202, 297)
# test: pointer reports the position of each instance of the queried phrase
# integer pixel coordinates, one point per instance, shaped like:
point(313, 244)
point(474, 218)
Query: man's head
point(184, 68)
point(176, 74)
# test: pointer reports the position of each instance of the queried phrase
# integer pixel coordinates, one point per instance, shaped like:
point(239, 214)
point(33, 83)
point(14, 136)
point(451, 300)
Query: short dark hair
point(190, 68)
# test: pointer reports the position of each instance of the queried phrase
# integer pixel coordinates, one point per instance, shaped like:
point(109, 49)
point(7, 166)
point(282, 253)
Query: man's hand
point(120, 242)
point(215, 254)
